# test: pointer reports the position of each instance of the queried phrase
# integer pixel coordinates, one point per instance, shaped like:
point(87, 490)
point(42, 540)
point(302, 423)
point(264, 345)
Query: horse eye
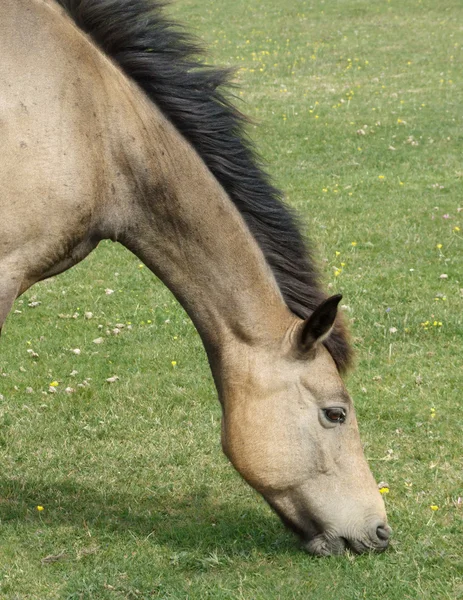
point(335, 415)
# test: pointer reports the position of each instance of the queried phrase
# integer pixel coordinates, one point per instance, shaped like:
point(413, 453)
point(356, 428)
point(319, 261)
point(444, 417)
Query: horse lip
point(317, 542)
point(360, 547)
point(357, 546)
point(323, 545)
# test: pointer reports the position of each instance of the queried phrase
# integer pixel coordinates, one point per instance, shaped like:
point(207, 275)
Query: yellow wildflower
point(353, 244)
point(54, 384)
point(434, 507)
point(40, 508)
point(384, 490)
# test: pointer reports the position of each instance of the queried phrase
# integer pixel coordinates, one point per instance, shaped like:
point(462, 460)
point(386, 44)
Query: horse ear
point(319, 325)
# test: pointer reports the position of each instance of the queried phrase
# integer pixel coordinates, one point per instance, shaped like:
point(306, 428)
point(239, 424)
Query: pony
point(112, 129)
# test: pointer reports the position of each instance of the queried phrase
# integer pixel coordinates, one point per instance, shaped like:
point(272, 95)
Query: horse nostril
point(383, 533)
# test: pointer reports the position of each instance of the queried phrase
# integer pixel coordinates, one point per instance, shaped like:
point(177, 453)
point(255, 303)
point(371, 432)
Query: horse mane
point(163, 59)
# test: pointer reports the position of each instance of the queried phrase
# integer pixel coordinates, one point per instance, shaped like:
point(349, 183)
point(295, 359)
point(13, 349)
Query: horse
point(112, 129)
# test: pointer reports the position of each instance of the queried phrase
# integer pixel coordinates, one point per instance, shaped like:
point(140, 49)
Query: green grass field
point(358, 112)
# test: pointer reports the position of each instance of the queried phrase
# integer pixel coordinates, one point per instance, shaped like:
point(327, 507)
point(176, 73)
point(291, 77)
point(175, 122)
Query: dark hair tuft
point(162, 59)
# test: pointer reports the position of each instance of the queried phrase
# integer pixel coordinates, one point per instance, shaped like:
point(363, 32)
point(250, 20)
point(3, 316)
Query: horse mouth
point(324, 545)
point(316, 541)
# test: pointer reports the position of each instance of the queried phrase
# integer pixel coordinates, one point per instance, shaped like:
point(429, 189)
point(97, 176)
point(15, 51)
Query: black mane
point(162, 59)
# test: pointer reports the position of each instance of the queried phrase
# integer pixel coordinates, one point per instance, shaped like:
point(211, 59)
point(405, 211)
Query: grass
point(359, 118)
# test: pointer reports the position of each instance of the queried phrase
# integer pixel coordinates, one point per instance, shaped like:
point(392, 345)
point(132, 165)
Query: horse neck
point(185, 228)
point(158, 198)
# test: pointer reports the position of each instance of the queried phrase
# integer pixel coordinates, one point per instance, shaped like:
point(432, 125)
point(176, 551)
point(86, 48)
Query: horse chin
point(322, 545)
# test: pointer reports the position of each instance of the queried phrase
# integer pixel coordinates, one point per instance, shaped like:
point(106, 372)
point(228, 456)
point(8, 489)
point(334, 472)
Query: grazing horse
point(112, 129)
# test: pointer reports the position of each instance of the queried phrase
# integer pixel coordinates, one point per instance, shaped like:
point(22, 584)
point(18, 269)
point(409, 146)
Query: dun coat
point(111, 129)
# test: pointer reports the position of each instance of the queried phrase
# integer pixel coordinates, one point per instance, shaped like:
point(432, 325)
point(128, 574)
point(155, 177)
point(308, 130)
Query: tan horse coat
point(85, 156)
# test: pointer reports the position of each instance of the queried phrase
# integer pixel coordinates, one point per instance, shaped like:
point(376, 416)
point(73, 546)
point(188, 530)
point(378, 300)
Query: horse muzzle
point(323, 544)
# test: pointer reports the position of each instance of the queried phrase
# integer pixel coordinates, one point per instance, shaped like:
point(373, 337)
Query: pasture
point(112, 481)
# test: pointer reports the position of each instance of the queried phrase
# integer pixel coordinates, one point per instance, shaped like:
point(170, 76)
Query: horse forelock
point(163, 59)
